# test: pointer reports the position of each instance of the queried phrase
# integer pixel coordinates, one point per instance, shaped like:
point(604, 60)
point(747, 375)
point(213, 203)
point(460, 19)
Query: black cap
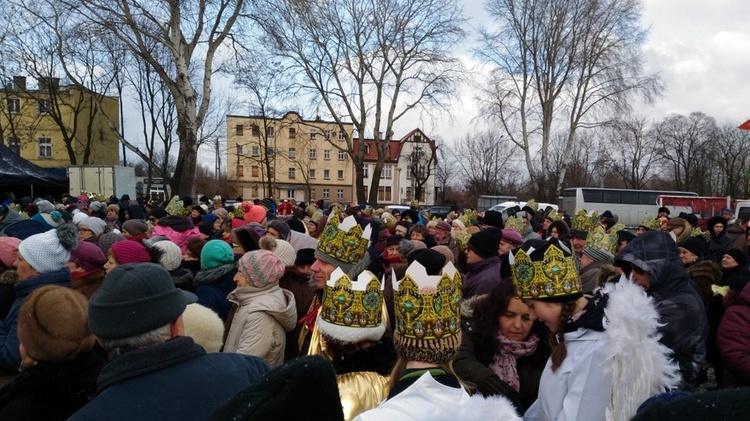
point(493, 218)
point(485, 243)
point(624, 235)
point(432, 260)
point(305, 257)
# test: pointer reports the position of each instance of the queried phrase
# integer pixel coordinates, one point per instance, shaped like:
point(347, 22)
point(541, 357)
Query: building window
point(45, 106)
point(342, 155)
point(271, 174)
point(14, 144)
point(255, 149)
point(326, 174)
point(240, 171)
point(387, 172)
point(367, 148)
point(341, 174)
point(384, 193)
point(313, 154)
point(14, 105)
point(408, 193)
point(45, 147)
point(270, 132)
point(366, 171)
point(340, 194)
point(254, 190)
point(312, 195)
point(239, 130)
point(312, 134)
point(341, 135)
point(311, 173)
point(270, 151)
point(292, 173)
point(326, 193)
point(290, 193)
point(327, 134)
point(254, 171)
point(326, 154)
point(256, 131)
point(292, 153)
point(241, 150)
point(292, 133)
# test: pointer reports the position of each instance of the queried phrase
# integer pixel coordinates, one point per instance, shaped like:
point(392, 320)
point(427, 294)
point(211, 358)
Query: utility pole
point(218, 161)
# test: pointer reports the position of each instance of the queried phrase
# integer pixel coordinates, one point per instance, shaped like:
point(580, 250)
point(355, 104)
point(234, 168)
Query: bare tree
point(732, 162)
point(559, 66)
point(446, 170)
point(484, 164)
point(421, 161)
point(630, 148)
point(368, 62)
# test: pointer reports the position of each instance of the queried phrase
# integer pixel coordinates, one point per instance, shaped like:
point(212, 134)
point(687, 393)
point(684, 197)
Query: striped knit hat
point(261, 267)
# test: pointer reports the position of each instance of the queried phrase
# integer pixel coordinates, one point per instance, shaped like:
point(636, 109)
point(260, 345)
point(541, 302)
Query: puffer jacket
point(482, 277)
point(259, 326)
point(684, 327)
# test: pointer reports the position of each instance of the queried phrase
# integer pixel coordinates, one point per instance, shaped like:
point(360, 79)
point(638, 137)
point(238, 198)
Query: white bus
point(630, 206)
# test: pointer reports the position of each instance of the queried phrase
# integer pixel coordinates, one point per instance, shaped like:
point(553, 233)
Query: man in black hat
point(154, 371)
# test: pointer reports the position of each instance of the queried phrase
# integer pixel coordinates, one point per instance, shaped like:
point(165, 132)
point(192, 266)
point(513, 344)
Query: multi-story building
point(56, 126)
point(289, 158)
point(408, 171)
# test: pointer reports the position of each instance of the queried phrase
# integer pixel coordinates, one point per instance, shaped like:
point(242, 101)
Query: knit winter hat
point(170, 255)
point(216, 253)
point(9, 250)
point(96, 225)
point(130, 252)
point(88, 256)
point(136, 299)
point(739, 256)
point(221, 213)
point(51, 220)
point(696, 245)
point(267, 202)
point(485, 243)
point(598, 255)
point(446, 252)
point(134, 226)
point(113, 207)
point(280, 226)
point(493, 218)
point(53, 324)
point(79, 216)
point(45, 206)
point(50, 251)
point(261, 267)
point(432, 260)
point(512, 236)
point(106, 240)
point(98, 206)
point(442, 225)
point(458, 223)
point(282, 249)
point(253, 213)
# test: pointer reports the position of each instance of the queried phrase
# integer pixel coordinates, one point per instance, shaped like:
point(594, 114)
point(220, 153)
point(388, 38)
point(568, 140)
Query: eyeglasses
point(83, 230)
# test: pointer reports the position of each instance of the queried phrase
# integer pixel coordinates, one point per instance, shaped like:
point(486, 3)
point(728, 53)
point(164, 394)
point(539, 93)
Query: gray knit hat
point(598, 255)
point(96, 225)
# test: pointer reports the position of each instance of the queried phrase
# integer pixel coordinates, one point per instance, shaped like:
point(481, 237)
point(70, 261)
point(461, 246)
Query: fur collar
point(211, 276)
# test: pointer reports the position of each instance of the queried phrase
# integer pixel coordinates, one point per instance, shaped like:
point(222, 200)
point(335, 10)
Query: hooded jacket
point(10, 218)
point(717, 245)
point(259, 326)
point(681, 312)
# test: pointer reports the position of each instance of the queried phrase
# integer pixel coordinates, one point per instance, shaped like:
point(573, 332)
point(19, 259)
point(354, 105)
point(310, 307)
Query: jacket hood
point(272, 300)
point(468, 305)
point(656, 253)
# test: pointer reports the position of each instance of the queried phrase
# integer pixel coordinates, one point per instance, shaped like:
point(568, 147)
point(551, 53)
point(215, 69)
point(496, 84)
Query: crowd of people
point(200, 309)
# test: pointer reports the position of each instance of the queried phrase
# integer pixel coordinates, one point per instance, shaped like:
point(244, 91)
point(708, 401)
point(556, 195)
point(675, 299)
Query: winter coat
point(482, 277)
point(177, 229)
point(426, 399)
point(8, 280)
point(735, 278)
point(10, 358)
point(212, 287)
point(717, 245)
point(733, 339)
point(87, 284)
point(736, 236)
point(175, 380)
point(681, 310)
point(472, 364)
point(530, 234)
point(260, 324)
point(9, 219)
point(182, 278)
point(51, 391)
point(299, 285)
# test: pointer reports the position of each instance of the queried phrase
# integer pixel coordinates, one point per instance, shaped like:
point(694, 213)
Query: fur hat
point(280, 248)
point(485, 243)
point(106, 240)
point(433, 261)
point(493, 218)
point(50, 251)
point(53, 324)
point(170, 255)
point(9, 250)
point(738, 255)
point(130, 252)
point(88, 256)
point(261, 268)
point(216, 253)
point(676, 223)
point(204, 326)
point(96, 225)
point(136, 299)
point(135, 226)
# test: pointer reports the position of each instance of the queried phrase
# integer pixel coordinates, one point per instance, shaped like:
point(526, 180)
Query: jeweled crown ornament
point(345, 241)
point(351, 311)
point(533, 205)
point(582, 221)
point(428, 327)
point(469, 218)
point(651, 222)
point(176, 207)
point(547, 272)
point(554, 215)
point(599, 239)
point(516, 224)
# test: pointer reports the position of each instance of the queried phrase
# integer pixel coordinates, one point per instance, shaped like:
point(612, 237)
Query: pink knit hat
point(253, 213)
point(261, 267)
point(88, 256)
point(130, 252)
point(9, 250)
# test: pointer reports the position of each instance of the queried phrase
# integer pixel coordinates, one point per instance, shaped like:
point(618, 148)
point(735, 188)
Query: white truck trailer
point(106, 180)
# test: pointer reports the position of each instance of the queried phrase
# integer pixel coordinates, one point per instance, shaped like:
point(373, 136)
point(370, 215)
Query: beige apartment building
point(288, 158)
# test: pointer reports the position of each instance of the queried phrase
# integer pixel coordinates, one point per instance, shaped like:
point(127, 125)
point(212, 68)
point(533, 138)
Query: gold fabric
point(361, 391)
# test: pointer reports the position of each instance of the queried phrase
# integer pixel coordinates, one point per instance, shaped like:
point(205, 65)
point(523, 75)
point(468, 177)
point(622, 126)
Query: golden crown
point(516, 224)
point(428, 307)
point(599, 239)
point(651, 222)
point(533, 205)
point(582, 221)
point(697, 233)
point(346, 242)
point(352, 304)
point(310, 210)
point(555, 275)
point(176, 207)
point(316, 216)
point(554, 215)
point(469, 218)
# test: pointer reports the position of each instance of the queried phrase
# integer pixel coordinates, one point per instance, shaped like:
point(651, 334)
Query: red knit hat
point(9, 250)
point(130, 252)
point(253, 213)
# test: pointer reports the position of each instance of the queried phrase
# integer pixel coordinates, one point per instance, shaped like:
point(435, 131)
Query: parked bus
point(630, 206)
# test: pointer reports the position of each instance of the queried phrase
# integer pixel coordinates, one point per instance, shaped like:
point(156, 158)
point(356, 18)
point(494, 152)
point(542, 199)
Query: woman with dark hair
point(503, 351)
point(718, 243)
point(558, 229)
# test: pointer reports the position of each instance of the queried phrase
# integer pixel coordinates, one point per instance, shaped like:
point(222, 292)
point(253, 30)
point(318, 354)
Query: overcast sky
point(700, 48)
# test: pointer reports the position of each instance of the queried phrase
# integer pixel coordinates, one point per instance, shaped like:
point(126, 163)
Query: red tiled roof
point(394, 150)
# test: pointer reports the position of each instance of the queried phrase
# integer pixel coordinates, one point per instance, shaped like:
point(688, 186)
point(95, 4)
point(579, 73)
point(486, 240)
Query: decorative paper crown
point(310, 210)
point(452, 215)
point(352, 311)
point(316, 216)
point(176, 207)
point(582, 221)
point(427, 308)
point(469, 218)
point(414, 203)
point(697, 233)
point(533, 205)
point(651, 222)
point(462, 240)
point(388, 220)
point(550, 273)
point(554, 215)
point(516, 224)
point(598, 239)
point(344, 242)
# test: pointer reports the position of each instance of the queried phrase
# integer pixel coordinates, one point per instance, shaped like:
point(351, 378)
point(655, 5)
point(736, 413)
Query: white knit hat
point(50, 250)
point(170, 254)
point(78, 217)
point(283, 249)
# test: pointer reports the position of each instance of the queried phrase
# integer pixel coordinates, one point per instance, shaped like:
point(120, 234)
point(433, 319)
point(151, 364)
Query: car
point(439, 211)
point(503, 207)
point(398, 208)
